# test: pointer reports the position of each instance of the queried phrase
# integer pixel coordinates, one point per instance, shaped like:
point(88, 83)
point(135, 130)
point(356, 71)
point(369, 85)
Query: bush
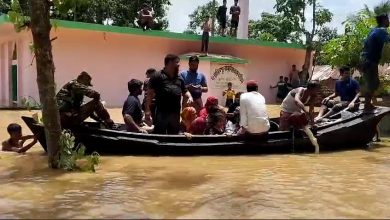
point(70, 154)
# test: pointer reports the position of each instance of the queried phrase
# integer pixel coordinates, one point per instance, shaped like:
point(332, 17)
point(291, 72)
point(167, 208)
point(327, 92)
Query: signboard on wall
point(221, 74)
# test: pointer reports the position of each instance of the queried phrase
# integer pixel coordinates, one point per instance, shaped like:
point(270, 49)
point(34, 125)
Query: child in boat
point(16, 141)
point(216, 122)
point(233, 124)
point(199, 125)
point(188, 115)
point(229, 93)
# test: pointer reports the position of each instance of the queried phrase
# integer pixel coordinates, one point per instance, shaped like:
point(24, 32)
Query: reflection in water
point(349, 184)
point(353, 184)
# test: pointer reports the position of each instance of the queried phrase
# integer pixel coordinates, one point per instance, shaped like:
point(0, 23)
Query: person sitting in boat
point(233, 123)
point(70, 102)
point(348, 90)
point(188, 115)
point(195, 82)
point(233, 115)
point(132, 110)
point(253, 111)
point(216, 121)
point(16, 141)
point(294, 104)
point(234, 105)
point(210, 102)
point(199, 124)
point(168, 88)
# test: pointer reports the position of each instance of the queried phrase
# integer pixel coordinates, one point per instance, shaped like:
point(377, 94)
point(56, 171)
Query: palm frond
point(366, 10)
point(382, 8)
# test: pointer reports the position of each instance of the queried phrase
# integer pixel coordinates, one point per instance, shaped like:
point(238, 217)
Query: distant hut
point(327, 77)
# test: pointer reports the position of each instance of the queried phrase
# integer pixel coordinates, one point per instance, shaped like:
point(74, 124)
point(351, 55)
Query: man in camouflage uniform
point(70, 101)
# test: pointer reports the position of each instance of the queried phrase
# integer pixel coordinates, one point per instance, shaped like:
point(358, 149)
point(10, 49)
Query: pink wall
point(113, 59)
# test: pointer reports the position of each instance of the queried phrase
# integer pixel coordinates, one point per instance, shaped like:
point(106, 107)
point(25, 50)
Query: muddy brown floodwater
point(347, 184)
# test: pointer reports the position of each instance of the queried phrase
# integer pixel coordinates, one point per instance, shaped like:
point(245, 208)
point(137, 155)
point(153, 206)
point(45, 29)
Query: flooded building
point(114, 55)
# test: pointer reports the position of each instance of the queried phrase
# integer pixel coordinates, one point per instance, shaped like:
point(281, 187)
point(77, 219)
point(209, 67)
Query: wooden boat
point(352, 131)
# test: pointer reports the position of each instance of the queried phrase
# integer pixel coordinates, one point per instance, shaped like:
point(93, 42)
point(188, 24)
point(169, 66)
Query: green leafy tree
point(118, 12)
point(346, 49)
point(273, 27)
point(324, 36)
point(295, 11)
point(197, 17)
point(5, 6)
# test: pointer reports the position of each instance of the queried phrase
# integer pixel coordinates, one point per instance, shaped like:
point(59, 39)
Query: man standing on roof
point(221, 17)
point(206, 35)
point(372, 53)
point(195, 82)
point(168, 88)
point(235, 11)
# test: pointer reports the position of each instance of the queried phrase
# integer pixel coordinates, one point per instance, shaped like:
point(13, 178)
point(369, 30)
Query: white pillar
point(2, 80)
point(242, 32)
point(5, 73)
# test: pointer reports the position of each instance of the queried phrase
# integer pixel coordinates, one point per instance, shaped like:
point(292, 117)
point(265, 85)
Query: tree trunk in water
point(40, 27)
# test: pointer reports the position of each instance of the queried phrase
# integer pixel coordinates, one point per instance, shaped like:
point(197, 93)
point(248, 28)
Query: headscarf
point(187, 113)
point(211, 100)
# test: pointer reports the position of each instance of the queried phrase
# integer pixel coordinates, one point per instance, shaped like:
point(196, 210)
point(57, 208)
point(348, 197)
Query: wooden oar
point(313, 140)
point(339, 113)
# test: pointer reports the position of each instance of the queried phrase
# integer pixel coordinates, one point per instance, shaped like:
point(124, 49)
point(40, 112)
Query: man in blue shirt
point(372, 53)
point(348, 90)
point(132, 111)
point(195, 82)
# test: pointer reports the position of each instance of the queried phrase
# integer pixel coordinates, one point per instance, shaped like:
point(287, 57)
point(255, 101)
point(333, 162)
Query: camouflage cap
point(85, 75)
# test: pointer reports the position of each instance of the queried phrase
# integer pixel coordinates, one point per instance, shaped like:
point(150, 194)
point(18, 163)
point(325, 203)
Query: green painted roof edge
point(4, 19)
point(235, 60)
point(165, 34)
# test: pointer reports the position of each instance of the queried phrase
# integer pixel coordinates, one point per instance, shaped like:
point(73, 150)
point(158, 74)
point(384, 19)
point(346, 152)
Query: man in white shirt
point(253, 111)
